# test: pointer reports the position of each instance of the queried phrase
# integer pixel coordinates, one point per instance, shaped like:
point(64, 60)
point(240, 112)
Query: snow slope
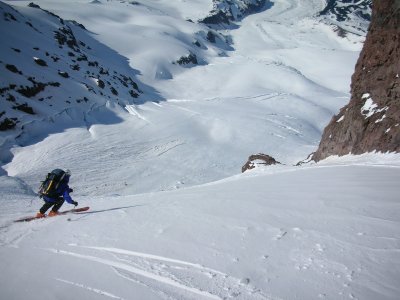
point(319, 231)
point(329, 231)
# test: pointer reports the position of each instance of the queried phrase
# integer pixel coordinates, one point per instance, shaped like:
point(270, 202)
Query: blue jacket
point(63, 190)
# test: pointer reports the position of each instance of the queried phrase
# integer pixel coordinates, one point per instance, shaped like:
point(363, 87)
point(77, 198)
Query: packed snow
point(328, 231)
point(171, 217)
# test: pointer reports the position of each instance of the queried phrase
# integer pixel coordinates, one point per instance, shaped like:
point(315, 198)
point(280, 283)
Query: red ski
point(74, 210)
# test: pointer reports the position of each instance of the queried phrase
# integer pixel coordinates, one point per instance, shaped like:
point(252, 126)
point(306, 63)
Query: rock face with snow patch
point(371, 121)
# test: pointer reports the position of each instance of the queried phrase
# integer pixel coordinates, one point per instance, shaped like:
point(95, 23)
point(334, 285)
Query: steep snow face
point(330, 231)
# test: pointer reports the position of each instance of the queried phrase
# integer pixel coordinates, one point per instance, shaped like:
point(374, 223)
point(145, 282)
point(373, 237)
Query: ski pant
point(56, 205)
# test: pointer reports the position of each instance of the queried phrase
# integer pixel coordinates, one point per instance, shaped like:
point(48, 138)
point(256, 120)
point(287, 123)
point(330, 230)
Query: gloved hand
point(75, 203)
point(70, 190)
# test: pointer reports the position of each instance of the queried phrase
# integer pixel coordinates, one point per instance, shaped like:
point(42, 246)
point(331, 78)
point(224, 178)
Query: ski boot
point(53, 213)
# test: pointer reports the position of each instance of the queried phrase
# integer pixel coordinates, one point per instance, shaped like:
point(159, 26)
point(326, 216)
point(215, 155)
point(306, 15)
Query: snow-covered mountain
point(344, 10)
point(349, 16)
point(53, 69)
point(171, 216)
point(253, 73)
point(245, 80)
point(57, 74)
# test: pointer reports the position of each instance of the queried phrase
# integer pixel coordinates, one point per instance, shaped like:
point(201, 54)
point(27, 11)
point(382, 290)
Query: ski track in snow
point(13, 240)
point(133, 110)
point(156, 257)
point(91, 289)
point(12, 236)
point(155, 271)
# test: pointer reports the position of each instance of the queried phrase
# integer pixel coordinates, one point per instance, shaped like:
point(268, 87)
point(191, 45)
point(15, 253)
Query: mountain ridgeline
point(347, 16)
point(371, 121)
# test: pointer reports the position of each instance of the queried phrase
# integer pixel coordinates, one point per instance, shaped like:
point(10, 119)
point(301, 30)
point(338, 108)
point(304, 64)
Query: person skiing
point(60, 193)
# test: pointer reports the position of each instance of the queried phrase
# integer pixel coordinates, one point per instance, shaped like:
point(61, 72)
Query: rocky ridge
point(371, 121)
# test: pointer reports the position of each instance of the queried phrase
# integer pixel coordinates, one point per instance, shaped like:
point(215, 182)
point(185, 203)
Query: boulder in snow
point(259, 159)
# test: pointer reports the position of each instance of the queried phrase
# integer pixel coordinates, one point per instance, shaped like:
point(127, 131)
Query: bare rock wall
point(371, 121)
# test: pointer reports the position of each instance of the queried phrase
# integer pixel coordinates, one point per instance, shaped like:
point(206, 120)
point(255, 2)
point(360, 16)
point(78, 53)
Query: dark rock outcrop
point(7, 124)
point(227, 11)
point(259, 159)
point(190, 59)
point(371, 121)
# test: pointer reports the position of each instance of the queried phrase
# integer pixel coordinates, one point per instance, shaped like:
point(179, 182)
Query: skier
point(61, 194)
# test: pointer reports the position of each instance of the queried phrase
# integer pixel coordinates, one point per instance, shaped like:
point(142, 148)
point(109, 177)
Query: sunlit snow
point(171, 216)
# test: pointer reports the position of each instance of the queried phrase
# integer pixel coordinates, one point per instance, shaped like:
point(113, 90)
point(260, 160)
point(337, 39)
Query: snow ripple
point(156, 272)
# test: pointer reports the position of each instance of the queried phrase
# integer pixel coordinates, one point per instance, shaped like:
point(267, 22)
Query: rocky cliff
point(371, 121)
